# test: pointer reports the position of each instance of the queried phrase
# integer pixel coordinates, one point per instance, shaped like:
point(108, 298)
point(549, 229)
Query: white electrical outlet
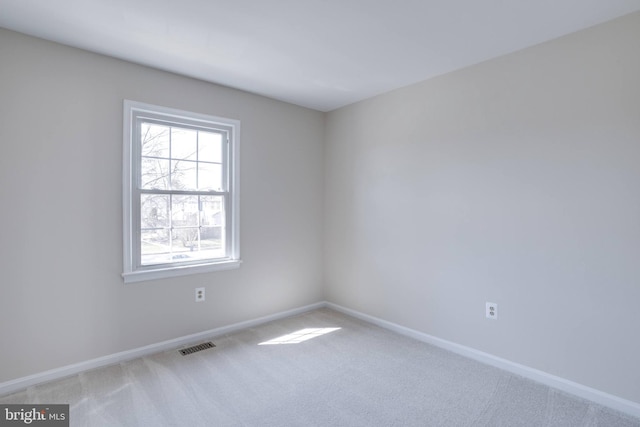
point(199, 294)
point(492, 310)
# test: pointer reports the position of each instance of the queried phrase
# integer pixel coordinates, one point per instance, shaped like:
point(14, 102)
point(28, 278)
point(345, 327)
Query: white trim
point(18, 384)
point(163, 273)
point(127, 160)
point(592, 394)
point(234, 185)
point(597, 396)
point(231, 127)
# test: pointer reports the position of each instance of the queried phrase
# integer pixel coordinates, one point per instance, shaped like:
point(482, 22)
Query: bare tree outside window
point(179, 221)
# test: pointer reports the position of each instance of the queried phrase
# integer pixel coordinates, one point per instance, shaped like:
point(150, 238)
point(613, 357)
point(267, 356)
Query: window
point(180, 192)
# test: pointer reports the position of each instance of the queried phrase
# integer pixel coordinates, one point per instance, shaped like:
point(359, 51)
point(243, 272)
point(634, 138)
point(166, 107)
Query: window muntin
point(181, 192)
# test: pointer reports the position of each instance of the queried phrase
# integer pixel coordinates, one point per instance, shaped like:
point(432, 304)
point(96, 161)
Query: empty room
point(314, 213)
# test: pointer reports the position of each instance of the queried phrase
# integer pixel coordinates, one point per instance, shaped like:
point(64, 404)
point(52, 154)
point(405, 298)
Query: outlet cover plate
point(492, 311)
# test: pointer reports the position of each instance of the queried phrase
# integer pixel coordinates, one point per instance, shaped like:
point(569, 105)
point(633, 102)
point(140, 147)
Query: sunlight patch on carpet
point(300, 336)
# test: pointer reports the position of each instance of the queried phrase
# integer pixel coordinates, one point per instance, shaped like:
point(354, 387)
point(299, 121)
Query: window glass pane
point(212, 242)
point(155, 247)
point(185, 240)
point(184, 211)
point(183, 144)
point(192, 244)
point(210, 176)
point(155, 140)
point(211, 211)
point(212, 220)
point(154, 174)
point(183, 175)
point(154, 211)
point(210, 147)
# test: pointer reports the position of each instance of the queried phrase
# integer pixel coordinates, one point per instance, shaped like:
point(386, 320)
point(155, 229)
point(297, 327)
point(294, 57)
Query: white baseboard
point(18, 384)
point(597, 396)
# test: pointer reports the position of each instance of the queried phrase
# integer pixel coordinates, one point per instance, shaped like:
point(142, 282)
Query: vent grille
point(196, 348)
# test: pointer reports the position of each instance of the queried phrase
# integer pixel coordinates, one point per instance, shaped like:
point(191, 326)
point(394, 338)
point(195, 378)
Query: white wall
point(62, 299)
point(515, 181)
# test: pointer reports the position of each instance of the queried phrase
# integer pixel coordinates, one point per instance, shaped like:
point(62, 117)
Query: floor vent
point(195, 348)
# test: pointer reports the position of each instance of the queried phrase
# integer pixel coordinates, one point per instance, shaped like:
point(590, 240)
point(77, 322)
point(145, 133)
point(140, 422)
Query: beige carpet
point(357, 375)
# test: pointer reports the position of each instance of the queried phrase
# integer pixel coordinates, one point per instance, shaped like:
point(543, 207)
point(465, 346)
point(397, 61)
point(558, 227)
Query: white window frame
point(133, 271)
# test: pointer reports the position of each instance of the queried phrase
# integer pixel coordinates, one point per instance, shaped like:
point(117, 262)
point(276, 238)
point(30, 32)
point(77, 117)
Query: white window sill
point(184, 270)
